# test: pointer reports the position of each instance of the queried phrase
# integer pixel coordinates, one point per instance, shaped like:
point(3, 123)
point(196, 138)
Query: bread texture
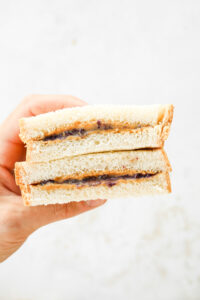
point(36, 128)
point(115, 163)
point(65, 193)
point(110, 140)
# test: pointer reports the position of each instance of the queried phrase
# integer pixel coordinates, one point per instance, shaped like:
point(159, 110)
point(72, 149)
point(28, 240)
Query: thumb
point(42, 215)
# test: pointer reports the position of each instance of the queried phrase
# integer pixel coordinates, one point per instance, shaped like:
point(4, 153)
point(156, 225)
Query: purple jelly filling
point(96, 180)
point(76, 132)
point(65, 134)
point(103, 126)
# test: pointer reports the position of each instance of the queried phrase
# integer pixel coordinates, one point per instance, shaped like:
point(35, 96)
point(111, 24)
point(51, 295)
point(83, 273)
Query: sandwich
point(92, 152)
point(93, 129)
point(95, 175)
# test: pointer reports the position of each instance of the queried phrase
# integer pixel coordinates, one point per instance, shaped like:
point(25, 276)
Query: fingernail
point(94, 203)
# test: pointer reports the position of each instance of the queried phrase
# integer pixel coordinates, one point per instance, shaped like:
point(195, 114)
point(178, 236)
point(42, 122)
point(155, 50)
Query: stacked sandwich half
point(92, 152)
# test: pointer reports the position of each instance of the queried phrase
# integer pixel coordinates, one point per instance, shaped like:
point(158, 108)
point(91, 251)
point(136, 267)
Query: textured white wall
point(111, 51)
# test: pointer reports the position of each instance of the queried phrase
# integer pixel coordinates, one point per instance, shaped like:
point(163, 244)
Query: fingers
point(38, 104)
point(12, 148)
point(32, 106)
point(38, 216)
point(7, 183)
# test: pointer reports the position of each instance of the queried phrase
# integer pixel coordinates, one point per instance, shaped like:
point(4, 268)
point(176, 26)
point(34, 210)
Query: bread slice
point(109, 140)
point(93, 117)
point(115, 163)
point(65, 193)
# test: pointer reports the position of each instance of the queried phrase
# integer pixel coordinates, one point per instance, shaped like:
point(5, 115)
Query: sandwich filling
point(109, 180)
point(99, 125)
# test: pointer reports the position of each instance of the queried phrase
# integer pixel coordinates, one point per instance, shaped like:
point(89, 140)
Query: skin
point(17, 221)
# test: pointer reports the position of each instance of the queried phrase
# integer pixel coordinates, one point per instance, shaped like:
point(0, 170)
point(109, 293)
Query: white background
point(119, 52)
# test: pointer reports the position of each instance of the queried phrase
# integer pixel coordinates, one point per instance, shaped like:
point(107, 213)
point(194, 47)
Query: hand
point(17, 221)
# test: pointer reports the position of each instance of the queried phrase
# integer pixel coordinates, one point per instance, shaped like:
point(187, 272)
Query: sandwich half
point(92, 176)
point(91, 129)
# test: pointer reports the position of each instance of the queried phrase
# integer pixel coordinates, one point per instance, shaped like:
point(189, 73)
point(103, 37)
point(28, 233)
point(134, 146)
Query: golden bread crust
point(168, 182)
point(20, 173)
point(26, 194)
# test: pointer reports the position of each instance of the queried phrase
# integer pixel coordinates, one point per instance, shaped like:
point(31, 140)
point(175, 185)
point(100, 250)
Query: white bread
point(36, 128)
point(123, 162)
point(110, 140)
point(64, 193)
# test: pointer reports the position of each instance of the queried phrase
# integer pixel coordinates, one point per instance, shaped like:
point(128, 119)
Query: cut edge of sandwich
point(93, 118)
point(147, 137)
point(65, 193)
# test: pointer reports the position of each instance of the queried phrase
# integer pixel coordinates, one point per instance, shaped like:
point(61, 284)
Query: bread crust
point(168, 165)
point(168, 183)
point(26, 194)
point(167, 123)
point(170, 115)
point(20, 173)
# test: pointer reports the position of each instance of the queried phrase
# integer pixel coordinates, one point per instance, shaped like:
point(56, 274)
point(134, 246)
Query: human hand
point(17, 221)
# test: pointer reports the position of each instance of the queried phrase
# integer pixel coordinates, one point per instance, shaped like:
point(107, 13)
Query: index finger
point(12, 148)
